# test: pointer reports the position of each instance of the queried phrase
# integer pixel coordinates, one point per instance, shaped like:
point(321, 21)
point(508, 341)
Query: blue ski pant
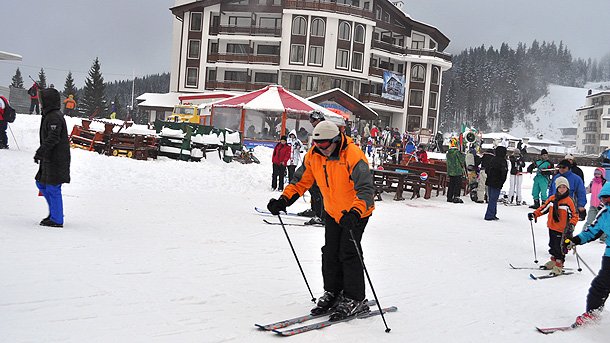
point(539, 190)
point(52, 194)
point(492, 202)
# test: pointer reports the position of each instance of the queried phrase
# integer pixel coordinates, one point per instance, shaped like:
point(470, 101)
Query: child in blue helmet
point(600, 286)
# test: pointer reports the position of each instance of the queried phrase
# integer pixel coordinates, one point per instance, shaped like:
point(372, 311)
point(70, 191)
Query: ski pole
point(578, 263)
point(534, 242)
point(351, 233)
point(313, 299)
point(583, 262)
point(12, 134)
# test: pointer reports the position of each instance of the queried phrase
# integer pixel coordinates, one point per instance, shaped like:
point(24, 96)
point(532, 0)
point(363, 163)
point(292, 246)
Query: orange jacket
point(344, 179)
point(70, 103)
point(567, 213)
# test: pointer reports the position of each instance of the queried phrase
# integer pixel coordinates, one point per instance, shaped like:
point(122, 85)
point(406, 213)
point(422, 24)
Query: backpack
point(9, 112)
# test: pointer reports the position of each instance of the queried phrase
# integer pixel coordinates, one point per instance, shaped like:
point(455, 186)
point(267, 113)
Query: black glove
point(275, 206)
point(575, 240)
point(531, 217)
point(582, 215)
point(38, 156)
point(569, 232)
point(350, 219)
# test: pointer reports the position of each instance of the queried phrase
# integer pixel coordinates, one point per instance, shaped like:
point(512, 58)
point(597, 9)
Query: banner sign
point(393, 86)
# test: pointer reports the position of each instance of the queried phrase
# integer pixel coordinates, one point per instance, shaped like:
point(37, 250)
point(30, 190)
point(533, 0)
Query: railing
point(591, 117)
point(246, 30)
point(400, 50)
point(375, 71)
point(234, 85)
point(372, 97)
point(589, 141)
point(329, 7)
point(589, 129)
point(241, 58)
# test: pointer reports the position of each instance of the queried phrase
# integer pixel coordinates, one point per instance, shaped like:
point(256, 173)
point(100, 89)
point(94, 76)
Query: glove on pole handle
point(534, 242)
point(313, 299)
point(351, 233)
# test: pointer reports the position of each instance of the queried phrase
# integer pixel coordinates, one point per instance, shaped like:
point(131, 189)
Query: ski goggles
point(325, 143)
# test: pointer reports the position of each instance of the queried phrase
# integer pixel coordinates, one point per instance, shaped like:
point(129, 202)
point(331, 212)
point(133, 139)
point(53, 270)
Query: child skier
point(594, 187)
point(600, 286)
point(561, 221)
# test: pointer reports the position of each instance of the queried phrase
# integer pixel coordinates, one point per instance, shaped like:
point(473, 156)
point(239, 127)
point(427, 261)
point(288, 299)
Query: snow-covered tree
point(17, 79)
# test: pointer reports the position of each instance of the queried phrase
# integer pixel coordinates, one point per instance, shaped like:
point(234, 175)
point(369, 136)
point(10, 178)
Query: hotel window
point(608, 124)
point(297, 54)
point(299, 26)
point(311, 84)
point(238, 76)
point(435, 75)
point(240, 21)
point(316, 53)
point(417, 41)
point(295, 82)
point(418, 74)
point(345, 31)
point(342, 59)
point(318, 27)
point(238, 49)
point(196, 21)
point(194, 48)
point(413, 123)
point(378, 12)
point(357, 61)
point(268, 50)
point(604, 136)
point(431, 121)
point(432, 100)
point(192, 75)
point(359, 34)
point(270, 78)
point(270, 23)
point(416, 98)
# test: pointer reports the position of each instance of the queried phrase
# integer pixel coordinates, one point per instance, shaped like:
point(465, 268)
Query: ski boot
point(326, 303)
point(536, 204)
point(50, 223)
point(348, 308)
point(550, 264)
point(307, 213)
point(315, 221)
point(458, 201)
point(558, 268)
point(586, 318)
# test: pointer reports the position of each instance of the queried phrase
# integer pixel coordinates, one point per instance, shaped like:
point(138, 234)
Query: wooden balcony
point(388, 47)
point(241, 58)
point(329, 7)
point(372, 97)
point(431, 53)
point(374, 71)
point(246, 31)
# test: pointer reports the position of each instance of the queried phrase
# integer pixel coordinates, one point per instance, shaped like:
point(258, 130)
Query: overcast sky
point(135, 35)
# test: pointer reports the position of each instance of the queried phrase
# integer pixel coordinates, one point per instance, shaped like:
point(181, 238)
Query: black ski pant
point(455, 187)
point(555, 244)
point(278, 173)
point(3, 136)
point(317, 202)
point(600, 287)
point(291, 170)
point(341, 266)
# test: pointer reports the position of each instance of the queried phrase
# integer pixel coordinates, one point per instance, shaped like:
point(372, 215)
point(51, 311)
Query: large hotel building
point(310, 47)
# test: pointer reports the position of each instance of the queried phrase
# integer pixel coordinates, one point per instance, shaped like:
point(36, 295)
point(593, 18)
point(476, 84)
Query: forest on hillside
point(490, 89)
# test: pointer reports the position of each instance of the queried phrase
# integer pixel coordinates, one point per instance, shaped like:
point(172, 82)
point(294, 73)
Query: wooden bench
point(412, 180)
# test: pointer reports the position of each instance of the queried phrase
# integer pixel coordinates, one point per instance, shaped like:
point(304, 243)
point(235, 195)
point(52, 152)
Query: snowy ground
point(168, 251)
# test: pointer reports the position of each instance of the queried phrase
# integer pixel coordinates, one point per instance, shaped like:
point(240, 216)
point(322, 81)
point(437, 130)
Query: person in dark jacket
point(53, 156)
point(281, 155)
point(574, 168)
point(496, 176)
point(488, 155)
point(33, 93)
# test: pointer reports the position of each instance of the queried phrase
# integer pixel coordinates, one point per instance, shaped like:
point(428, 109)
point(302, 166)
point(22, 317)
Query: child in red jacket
point(281, 155)
point(561, 221)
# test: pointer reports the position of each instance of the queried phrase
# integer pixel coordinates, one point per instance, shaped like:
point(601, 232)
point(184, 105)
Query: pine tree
point(17, 79)
point(94, 99)
point(69, 87)
point(42, 79)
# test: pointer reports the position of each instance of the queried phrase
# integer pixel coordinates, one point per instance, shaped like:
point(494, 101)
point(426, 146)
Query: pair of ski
point(541, 277)
point(288, 214)
point(275, 327)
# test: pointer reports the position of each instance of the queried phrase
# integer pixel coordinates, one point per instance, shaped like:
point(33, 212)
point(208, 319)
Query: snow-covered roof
point(536, 141)
point(598, 93)
point(500, 135)
point(584, 108)
point(159, 99)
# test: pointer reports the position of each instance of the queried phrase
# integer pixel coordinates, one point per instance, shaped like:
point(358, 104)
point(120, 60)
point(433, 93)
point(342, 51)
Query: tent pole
point(283, 123)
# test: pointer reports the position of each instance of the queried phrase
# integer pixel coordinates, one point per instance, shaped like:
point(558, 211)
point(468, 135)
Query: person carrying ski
point(53, 156)
point(341, 170)
point(600, 286)
point(562, 218)
point(578, 193)
point(280, 157)
point(541, 181)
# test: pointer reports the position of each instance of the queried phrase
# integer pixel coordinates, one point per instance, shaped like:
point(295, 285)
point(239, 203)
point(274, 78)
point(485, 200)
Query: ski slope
point(169, 251)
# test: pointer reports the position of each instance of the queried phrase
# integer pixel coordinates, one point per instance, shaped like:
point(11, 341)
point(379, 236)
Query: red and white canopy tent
point(269, 104)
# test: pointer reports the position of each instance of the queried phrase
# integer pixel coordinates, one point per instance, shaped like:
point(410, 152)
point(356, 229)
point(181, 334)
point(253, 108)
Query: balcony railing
point(246, 31)
point(589, 129)
point(372, 97)
point(241, 58)
point(234, 85)
point(329, 7)
point(589, 141)
point(400, 50)
point(591, 117)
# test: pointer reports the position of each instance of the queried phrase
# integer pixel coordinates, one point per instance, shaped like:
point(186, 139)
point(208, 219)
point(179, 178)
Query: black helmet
point(316, 115)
